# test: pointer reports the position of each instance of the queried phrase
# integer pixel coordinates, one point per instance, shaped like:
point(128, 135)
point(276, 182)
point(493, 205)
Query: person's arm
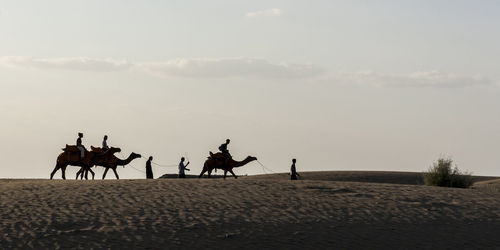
point(185, 167)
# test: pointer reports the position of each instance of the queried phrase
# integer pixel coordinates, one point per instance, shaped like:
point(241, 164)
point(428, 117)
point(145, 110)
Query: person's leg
point(82, 152)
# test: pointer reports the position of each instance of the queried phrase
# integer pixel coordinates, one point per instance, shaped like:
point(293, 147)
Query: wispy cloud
point(265, 13)
point(67, 63)
point(241, 67)
point(230, 67)
point(186, 67)
point(426, 79)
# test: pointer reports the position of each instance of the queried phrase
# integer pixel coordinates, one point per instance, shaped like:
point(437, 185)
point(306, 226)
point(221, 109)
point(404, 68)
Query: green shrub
point(442, 174)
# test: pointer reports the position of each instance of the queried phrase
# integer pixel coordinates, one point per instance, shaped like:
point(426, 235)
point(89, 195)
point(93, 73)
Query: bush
point(442, 174)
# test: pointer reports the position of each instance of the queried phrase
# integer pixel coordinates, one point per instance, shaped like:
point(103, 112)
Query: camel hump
point(97, 150)
point(71, 148)
point(218, 156)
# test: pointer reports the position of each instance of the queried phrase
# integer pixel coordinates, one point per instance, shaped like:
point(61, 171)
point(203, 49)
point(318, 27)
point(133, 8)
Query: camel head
point(250, 158)
point(135, 156)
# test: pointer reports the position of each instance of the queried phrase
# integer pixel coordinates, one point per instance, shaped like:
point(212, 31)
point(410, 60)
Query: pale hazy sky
point(339, 85)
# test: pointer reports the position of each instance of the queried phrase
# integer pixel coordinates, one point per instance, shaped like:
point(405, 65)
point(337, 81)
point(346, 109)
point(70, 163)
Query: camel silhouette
point(109, 162)
point(218, 161)
point(71, 157)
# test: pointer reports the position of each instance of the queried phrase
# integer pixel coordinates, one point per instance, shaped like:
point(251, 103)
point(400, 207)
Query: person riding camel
point(223, 149)
point(105, 143)
point(80, 146)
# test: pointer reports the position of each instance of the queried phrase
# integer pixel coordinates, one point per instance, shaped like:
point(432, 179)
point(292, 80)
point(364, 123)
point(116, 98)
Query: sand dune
point(252, 212)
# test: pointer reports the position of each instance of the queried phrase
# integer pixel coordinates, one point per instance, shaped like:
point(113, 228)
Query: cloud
point(67, 63)
point(230, 67)
point(426, 79)
point(265, 13)
point(186, 67)
point(241, 67)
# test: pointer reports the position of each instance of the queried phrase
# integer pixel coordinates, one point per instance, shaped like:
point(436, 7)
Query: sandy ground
point(255, 212)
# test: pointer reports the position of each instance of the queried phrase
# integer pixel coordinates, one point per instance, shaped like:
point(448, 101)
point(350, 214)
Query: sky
point(339, 85)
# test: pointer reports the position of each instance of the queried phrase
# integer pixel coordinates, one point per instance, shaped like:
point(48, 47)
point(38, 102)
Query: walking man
point(183, 167)
point(293, 171)
point(149, 170)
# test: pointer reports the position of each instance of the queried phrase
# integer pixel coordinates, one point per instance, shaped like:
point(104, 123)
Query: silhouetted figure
point(224, 150)
point(80, 146)
point(149, 170)
point(105, 143)
point(293, 171)
point(183, 167)
point(211, 163)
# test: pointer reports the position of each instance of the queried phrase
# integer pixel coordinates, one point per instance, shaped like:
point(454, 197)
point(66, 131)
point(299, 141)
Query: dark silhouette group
point(79, 156)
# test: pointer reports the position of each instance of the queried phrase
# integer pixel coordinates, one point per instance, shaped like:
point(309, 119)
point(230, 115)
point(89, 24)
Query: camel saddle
point(71, 148)
point(97, 150)
point(217, 156)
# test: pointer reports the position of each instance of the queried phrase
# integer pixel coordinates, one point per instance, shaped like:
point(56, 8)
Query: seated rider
point(80, 146)
point(223, 149)
point(105, 143)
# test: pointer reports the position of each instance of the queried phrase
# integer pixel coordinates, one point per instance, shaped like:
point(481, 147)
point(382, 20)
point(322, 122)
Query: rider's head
point(294, 160)
point(80, 134)
point(105, 137)
point(151, 158)
point(228, 141)
point(182, 158)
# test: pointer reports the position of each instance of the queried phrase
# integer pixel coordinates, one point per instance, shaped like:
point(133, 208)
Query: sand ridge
point(246, 213)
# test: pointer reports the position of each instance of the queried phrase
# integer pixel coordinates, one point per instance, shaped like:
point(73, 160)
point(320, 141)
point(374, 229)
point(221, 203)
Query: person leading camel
point(293, 171)
point(183, 167)
point(105, 143)
point(149, 169)
point(80, 146)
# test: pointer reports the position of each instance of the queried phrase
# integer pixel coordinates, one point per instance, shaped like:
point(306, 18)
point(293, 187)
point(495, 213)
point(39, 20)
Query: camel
point(218, 161)
point(110, 162)
point(71, 157)
point(96, 161)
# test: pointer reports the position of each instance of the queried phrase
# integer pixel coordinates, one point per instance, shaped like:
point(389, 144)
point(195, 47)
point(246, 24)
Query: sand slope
point(248, 213)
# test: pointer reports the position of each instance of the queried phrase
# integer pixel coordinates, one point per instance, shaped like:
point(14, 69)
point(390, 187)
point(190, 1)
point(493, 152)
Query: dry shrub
point(442, 174)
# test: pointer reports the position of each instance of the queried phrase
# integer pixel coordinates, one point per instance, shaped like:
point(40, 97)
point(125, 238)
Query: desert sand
point(323, 210)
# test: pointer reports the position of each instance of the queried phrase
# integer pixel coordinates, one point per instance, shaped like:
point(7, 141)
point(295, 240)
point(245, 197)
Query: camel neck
point(126, 161)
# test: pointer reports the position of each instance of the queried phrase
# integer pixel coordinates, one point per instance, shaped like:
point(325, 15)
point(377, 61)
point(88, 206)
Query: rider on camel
point(223, 149)
point(80, 146)
point(105, 143)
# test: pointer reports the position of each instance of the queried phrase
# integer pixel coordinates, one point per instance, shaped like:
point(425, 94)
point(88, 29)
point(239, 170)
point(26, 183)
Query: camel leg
point(54, 171)
point(63, 169)
point(116, 174)
point(210, 173)
point(231, 171)
point(225, 173)
point(78, 173)
point(92, 172)
point(105, 172)
point(202, 172)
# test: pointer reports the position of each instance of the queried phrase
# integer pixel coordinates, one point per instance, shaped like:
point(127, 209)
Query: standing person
point(80, 146)
point(105, 143)
point(293, 171)
point(183, 167)
point(149, 170)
